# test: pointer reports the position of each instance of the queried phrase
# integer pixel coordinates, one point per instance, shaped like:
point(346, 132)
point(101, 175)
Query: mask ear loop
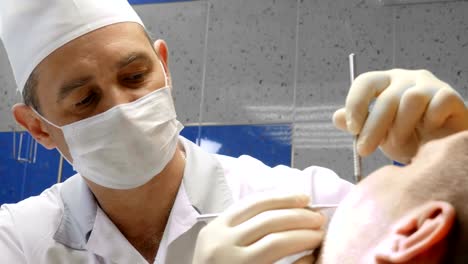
point(166, 76)
point(45, 119)
point(54, 125)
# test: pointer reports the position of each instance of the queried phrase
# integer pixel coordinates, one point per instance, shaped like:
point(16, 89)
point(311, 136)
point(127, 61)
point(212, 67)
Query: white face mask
point(127, 145)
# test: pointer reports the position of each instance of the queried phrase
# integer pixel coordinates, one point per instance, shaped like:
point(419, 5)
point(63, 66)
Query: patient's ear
point(418, 232)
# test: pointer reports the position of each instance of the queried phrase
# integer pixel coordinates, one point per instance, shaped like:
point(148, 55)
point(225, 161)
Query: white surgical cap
point(33, 29)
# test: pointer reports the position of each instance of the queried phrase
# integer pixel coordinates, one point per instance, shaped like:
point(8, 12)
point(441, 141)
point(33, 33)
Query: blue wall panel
point(268, 143)
point(11, 173)
point(18, 180)
point(190, 133)
point(67, 171)
point(43, 173)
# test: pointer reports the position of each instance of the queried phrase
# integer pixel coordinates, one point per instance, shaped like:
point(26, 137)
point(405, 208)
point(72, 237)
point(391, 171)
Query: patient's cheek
point(337, 229)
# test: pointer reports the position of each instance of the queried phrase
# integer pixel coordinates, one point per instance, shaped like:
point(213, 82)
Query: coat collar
point(204, 182)
point(79, 213)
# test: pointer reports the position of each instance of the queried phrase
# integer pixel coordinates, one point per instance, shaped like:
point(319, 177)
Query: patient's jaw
point(360, 220)
point(388, 219)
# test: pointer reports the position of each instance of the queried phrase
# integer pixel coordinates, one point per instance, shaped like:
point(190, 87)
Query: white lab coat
point(65, 225)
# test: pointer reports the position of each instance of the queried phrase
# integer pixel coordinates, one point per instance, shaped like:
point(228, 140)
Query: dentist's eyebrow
point(132, 57)
point(69, 87)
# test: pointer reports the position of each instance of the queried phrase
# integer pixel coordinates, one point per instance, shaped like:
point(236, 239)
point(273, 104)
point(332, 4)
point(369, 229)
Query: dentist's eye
point(135, 78)
point(88, 100)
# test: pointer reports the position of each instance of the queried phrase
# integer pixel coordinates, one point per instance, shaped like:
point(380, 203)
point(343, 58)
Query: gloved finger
point(307, 259)
point(379, 121)
point(246, 211)
point(278, 221)
point(339, 119)
point(445, 103)
point(364, 89)
point(279, 245)
point(411, 109)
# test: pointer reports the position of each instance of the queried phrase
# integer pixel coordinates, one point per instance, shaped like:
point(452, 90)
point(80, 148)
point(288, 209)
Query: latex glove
point(308, 259)
point(411, 108)
point(237, 236)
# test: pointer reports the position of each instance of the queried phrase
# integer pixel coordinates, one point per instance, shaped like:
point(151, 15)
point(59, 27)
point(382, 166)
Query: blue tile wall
point(19, 180)
point(191, 133)
point(11, 173)
point(268, 143)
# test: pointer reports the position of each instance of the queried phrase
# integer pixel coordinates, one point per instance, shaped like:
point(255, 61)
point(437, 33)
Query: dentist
point(96, 89)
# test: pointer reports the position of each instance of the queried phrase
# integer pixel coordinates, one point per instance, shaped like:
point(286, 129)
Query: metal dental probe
point(356, 157)
point(317, 207)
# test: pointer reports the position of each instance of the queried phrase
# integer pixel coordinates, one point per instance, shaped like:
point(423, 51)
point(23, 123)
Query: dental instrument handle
point(356, 158)
point(209, 217)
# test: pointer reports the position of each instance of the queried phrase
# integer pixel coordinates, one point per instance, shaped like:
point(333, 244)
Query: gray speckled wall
point(8, 94)
point(434, 37)
point(182, 25)
point(270, 61)
point(250, 61)
point(327, 35)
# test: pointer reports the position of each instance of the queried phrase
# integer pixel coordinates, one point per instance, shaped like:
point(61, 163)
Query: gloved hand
point(240, 235)
point(411, 108)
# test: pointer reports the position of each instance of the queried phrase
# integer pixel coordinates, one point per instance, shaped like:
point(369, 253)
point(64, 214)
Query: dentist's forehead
point(47, 25)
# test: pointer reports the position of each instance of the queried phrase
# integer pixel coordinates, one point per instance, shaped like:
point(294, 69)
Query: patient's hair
point(446, 179)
